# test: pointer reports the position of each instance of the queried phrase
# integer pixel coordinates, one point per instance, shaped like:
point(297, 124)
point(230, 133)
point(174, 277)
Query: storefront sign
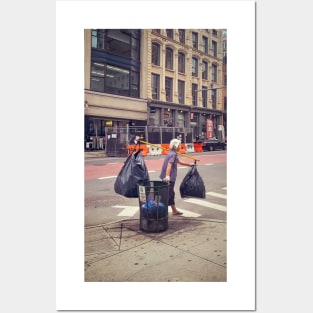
point(209, 128)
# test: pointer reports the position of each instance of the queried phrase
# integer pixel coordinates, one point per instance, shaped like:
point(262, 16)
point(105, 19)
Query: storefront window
point(154, 117)
point(168, 118)
point(180, 119)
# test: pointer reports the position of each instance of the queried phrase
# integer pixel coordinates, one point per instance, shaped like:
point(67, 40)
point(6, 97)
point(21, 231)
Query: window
point(225, 80)
point(181, 92)
point(181, 119)
point(194, 94)
point(168, 118)
point(195, 40)
point(170, 33)
point(224, 57)
point(204, 70)
point(155, 86)
point(205, 97)
point(214, 72)
point(154, 120)
point(117, 81)
point(214, 48)
point(134, 84)
point(135, 50)
point(213, 93)
point(169, 89)
point(181, 34)
point(214, 32)
point(194, 67)
point(97, 38)
point(205, 44)
point(169, 59)
point(97, 76)
point(225, 103)
point(114, 80)
point(155, 54)
point(117, 41)
point(181, 62)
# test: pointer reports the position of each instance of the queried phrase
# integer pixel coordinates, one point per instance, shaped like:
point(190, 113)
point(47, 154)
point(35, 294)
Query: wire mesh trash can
point(153, 204)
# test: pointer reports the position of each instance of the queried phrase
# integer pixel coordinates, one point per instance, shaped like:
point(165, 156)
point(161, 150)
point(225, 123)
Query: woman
point(169, 172)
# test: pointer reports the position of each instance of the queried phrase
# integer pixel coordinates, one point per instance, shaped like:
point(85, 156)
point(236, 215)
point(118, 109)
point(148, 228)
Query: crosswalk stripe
point(132, 210)
point(207, 204)
point(128, 210)
point(107, 177)
point(216, 194)
point(187, 213)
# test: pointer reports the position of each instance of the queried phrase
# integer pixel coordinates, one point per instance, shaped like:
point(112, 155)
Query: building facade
point(154, 77)
point(224, 90)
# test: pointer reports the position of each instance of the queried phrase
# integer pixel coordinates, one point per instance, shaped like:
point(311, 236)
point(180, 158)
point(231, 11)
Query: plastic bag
point(192, 185)
point(133, 171)
point(153, 209)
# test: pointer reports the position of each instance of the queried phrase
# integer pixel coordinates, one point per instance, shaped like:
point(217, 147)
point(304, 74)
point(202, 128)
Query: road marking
point(209, 164)
point(132, 210)
point(187, 213)
point(207, 204)
point(216, 194)
point(106, 177)
point(128, 210)
point(224, 188)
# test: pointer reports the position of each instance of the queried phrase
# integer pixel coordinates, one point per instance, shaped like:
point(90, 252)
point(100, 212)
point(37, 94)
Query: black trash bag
point(192, 185)
point(133, 171)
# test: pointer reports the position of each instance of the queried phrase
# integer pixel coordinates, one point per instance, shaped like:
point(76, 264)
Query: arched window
point(155, 54)
point(195, 67)
point(214, 73)
point(195, 40)
point(170, 33)
point(181, 62)
point(169, 59)
point(204, 70)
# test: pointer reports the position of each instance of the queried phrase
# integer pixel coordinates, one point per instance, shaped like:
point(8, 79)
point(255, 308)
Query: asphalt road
point(103, 205)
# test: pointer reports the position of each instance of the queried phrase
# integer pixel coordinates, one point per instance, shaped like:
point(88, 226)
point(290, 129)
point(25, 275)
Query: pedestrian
point(169, 172)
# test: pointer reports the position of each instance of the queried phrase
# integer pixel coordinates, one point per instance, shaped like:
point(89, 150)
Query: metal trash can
point(153, 205)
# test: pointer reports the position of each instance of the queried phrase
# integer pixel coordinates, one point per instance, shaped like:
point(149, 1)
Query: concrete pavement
point(190, 250)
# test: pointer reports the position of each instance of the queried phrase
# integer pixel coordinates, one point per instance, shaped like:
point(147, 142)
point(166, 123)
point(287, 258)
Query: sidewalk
point(94, 154)
point(190, 250)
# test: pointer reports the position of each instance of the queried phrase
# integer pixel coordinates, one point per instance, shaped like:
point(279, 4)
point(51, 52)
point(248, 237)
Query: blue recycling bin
point(153, 205)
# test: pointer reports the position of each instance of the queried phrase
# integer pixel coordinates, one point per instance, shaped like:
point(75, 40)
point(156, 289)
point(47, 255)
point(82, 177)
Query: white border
point(239, 19)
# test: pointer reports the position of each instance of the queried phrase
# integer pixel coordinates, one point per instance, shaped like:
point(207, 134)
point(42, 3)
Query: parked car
point(213, 144)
